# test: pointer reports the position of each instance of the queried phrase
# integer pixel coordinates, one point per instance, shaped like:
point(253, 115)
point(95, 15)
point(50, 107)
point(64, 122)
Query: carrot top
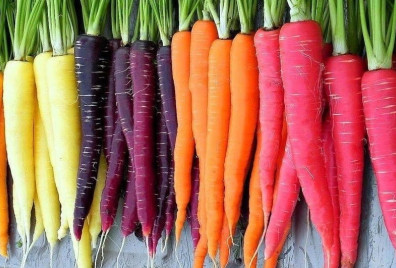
point(45, 44)
point(224, 16)
point(27, 17)
point(94, 13)
point(115, 20)
point(299, 10)
point(187, 10)
point(147, 29)
point(341, 25)
point(378, 32)
point(164, 15)
point(4, 53)
point(320, 13)
point(273, 13)
point(247, 12)
point(62, 25)
point(123, 15)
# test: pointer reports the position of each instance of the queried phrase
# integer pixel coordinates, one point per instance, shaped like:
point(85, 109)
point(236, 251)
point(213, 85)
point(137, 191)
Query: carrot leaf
point(147, 29)
point(247, 13)
point(45, 44)
point(353, 27)
point(94, 14)
point(379, 31)
point(27, 17)
point(62, 25)
point(299, 10)
point(223, 14)
point(320, 14)
point(115, 20)
point(187, 9)
point(273, 13)
point(164, 15)
point(124, 9)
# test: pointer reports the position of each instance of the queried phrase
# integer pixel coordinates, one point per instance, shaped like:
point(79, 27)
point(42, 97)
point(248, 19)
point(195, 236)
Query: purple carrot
point(194, 203)
point(110, 101)
point(91, 56)
point(162, 163)
point(170, 202)
point(143, 78)
point(115, 172)
point(167, 91)
point(129, 218)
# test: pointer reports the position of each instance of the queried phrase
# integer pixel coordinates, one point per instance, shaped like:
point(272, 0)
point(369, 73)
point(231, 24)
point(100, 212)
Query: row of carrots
point(185, 121)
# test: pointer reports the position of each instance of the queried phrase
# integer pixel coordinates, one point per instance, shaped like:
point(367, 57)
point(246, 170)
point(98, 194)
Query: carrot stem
point(273, 13)
point(299, 10)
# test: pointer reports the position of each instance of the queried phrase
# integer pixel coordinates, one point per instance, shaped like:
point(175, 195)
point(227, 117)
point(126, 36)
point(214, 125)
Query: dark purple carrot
point(115, 171)
point(91, 57)
point(110, 101)
point(162, 171)
point(167, 90)
point(194, 203)
point(144, 83)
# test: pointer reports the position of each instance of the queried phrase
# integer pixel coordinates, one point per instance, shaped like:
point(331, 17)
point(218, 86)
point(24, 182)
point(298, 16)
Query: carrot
point(271, 108)
point(255, 226)
point(244, 113)
point(194, 200)
point(203, 33)
point(379, 94)
point(331, 171)
point(4, 55)
point(66, 125)
point(301, 73)
point(184, 147)
point(287, 191)
point(219, 109)
point(225, 244)
point(91, 53)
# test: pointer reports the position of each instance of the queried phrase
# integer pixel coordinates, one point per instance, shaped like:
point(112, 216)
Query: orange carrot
point(201, 250)
point(3, 181)
point(255, 226)
point(225, 244)
point(203, 34)
point(184, 147)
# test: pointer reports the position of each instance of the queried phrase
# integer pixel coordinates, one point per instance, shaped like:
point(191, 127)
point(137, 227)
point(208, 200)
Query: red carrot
point(301, 61)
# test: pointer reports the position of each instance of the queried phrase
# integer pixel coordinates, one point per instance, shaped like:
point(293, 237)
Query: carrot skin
point(242, 125)
point(184, 147)
point(142, 58)
point(271, 111)
point(129, 220)
point(171, 201)
point(91, 55)
point(115, 172)
point(167, 90)
point(110, 116)
point(342, 80)
point(194, 223)
point(301, 74)
point(272, 261)
point(379, 94)
point(284, 203)
point(332, 181)
point(219, 109)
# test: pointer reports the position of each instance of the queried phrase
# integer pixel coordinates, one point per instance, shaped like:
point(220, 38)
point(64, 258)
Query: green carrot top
point(4, 49)
point(273, 13)
point(299, 10)
point(320, 13)
point(379, 31)
point(147, 28)
point(124, 8)
point(247, 13)
point(223, 16)
point(115, 20)
point(164, 15)
point(62, 25)
point(44, 38)
point(187, 9)
point(346, 33)
point(94, 14)
point(27, 17)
